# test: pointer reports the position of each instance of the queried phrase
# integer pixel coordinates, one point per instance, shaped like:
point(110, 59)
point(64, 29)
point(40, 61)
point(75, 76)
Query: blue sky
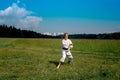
point(72, 16)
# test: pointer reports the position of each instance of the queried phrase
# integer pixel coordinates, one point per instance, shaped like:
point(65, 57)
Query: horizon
point(57, 33)
point(74, 17)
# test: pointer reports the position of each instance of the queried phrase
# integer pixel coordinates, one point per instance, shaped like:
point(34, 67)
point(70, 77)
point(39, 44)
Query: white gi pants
point(64, 54)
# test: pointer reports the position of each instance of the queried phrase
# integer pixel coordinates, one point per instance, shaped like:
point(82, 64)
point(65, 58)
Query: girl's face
point(66, 36)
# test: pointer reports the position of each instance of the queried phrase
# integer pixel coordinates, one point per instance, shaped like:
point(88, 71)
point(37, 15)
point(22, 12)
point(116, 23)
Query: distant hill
point(12, 32)
point(115, 35)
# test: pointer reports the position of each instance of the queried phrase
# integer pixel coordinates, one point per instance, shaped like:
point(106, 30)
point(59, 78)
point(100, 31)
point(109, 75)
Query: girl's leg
point(62, 59)
point(70, 57)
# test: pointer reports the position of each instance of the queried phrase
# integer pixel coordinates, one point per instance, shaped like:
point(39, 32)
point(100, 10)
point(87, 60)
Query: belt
point(65, 48)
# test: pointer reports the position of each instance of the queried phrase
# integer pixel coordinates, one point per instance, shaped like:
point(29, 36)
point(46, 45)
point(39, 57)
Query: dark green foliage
point(115, 35)
point(12, 32)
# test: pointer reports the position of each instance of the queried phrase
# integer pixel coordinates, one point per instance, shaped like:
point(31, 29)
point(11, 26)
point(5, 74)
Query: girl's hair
point(65, 34)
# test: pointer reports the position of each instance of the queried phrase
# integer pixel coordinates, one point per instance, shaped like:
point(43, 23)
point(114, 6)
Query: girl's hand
point(68, 50)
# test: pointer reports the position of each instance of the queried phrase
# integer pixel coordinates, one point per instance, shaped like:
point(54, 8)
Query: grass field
point(36, 59)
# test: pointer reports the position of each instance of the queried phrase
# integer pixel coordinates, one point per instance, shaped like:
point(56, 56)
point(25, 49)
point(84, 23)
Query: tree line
point(115, 35)
point(12, 32)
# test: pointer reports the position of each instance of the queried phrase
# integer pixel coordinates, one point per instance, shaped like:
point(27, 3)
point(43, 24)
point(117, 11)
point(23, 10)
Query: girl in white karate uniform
point(66, 46)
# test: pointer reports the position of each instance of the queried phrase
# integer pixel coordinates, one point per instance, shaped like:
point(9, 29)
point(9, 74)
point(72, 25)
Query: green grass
point(36, 59)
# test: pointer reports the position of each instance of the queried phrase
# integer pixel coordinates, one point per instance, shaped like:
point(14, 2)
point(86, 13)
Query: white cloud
point(19, 17)
point(31, 21)
point(18, 1)
point(14, 11)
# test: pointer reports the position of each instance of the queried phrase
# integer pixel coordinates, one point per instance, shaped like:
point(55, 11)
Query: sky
point(72, 16)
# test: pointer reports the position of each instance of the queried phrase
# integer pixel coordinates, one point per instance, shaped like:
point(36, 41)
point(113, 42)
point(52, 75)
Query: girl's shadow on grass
point(54, 62)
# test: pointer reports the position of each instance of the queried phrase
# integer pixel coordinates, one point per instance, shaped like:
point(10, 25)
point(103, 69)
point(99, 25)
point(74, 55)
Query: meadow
point(36, 59)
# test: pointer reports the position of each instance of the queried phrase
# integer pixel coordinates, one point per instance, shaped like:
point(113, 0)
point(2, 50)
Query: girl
point(66, 46)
